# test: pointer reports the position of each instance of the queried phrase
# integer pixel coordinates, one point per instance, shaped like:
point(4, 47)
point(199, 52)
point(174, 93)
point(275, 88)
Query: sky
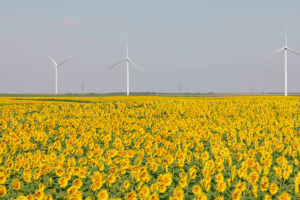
point(181, 46)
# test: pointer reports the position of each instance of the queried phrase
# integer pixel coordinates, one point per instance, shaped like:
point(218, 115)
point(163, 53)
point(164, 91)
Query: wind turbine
point(56, 65)
point(285, 49)
point(127, 60)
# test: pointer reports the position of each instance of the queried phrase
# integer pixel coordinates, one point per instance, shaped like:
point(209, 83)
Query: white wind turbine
point(56, 65)
point(285, 49)
point(128, 60)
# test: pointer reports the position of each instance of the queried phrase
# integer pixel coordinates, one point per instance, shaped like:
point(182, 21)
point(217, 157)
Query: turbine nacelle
point(58, 64)
point(286, 49)
point(126, 59)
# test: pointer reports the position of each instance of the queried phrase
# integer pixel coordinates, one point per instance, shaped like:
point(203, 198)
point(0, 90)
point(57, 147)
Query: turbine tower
point(127, 60)
point(56, 65)
point(286, 49)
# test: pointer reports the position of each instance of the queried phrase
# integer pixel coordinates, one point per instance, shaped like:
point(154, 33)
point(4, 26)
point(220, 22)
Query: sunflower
point(202, 196)
point(126, 184)
point(77, 183)
point(131, 196)
point(60, 171)
point(50, 182)
point(219, 198)
point(2, 178)
point(31, 197)
point(16, 184)
point(103, 195)
point(154, 196)
point(48, 197)
point(72, 190)
point(268, 197)
point(253, 177)
point(162, 188)
point(41, 186)
point(144, 192)
point(101, 166)
point(204, 156)
point(273, 188)
point(286, 174)
point(27, 177)
point(196, 190)
point(236, 195)
point(39, 195)
point(241, 186)
point(264, 184)
point(221, 187)
point(63, 182)
point(167, 179)
point(284, 196)
point(2, 190)
point(219, 178)
point(96, 176)
point(97, 185)
point(112, 178)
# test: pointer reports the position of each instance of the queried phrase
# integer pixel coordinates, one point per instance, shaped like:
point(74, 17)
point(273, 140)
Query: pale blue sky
point(198, 46)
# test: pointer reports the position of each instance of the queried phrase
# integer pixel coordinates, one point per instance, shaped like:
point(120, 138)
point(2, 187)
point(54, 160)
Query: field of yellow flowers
point(149, 148)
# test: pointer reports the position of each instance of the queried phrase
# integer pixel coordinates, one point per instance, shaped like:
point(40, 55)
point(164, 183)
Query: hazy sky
point(187, 46)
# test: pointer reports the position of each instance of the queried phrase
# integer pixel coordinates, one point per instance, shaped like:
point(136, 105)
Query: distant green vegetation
point(148, 94)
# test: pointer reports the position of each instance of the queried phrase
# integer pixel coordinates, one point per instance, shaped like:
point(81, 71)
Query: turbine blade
point(116, 64)
point(61, 63)
point(134, 64)
point(52, 60)
point(278, 50)
point(293, 51)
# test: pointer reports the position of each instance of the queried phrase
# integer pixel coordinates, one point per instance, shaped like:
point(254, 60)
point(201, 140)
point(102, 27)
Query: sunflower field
point(149, 148)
